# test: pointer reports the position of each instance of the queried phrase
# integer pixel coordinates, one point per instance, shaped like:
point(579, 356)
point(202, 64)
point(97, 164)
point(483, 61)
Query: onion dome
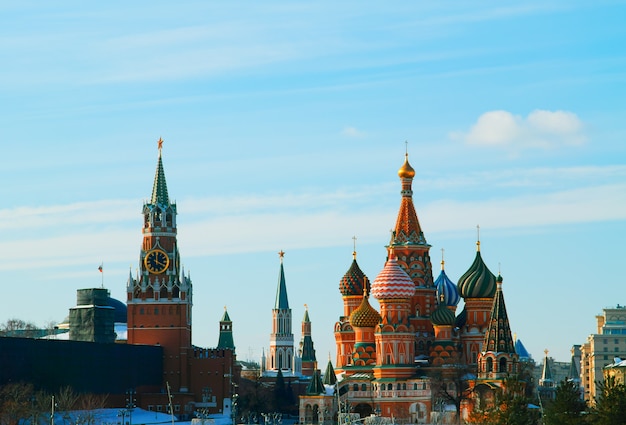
point(353, 282)
point(406, 171)
point(447, 288)
point(477, 281)
point(392, 282)
point(365, 316)
point(442, 316)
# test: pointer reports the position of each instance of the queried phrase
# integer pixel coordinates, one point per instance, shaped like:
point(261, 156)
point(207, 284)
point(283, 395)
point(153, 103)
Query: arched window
point(489, 365)
point(502, 364)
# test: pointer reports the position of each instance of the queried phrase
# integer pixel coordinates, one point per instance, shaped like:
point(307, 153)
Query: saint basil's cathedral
point(417, 357)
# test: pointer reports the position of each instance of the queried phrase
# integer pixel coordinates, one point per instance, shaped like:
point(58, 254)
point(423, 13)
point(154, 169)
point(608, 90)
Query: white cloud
point(540, 129)
point(88, 233)
point(352, 132)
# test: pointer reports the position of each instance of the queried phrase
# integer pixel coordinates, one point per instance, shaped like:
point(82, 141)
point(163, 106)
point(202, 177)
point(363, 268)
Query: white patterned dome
point(392, 282)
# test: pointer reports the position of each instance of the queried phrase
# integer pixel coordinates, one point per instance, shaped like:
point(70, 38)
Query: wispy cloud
point(244, 224)
point(350, 131)
point(540, 129)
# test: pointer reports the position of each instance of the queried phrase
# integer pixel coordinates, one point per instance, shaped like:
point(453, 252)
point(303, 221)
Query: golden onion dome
point(406, 171)
point(365, 316)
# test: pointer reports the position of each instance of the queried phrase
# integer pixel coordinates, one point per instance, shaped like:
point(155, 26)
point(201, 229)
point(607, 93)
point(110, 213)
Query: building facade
point(601, 348)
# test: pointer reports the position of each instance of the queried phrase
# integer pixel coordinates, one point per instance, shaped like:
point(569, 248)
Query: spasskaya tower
point(159, 299)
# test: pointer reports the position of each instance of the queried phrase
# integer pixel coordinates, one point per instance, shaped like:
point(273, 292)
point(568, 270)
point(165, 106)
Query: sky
point(284, 125)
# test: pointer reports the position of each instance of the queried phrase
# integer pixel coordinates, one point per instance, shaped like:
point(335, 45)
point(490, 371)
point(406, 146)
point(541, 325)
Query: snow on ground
point(138, 417)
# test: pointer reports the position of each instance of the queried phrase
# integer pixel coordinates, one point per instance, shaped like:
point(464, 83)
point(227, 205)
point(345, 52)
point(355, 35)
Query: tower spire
point(282, 301)
point(407, 230)
point(159, 189)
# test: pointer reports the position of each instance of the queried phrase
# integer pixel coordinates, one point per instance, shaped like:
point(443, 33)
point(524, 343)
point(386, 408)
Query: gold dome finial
point(354, 247)
point(478, 237)
point(406, 171)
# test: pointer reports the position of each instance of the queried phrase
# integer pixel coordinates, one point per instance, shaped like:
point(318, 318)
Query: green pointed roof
point(159, 189)
point(498, 338)
point(329, 376)
point(282, 303)
point(226, 340)
point(316, 386)
point(306, 315)
point(225, 317)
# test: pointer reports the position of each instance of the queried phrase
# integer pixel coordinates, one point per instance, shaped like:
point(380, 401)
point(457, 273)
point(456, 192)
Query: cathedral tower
point(353, 286)
point(498, 359)
point(394, 334)
point(477, 286)
point(411, 250)
point(159, 299)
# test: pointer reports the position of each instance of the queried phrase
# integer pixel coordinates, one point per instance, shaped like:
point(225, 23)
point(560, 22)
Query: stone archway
point(419, 413)
point(364, 410)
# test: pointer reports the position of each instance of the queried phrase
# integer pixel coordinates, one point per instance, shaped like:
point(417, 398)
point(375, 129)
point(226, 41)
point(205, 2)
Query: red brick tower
point(160, 299)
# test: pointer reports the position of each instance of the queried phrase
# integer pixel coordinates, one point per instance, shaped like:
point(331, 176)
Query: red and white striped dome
point(392, 282)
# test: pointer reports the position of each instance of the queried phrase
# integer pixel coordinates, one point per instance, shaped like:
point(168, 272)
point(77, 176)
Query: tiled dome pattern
point(365, 316)
point(353, 281)
point(392, 282)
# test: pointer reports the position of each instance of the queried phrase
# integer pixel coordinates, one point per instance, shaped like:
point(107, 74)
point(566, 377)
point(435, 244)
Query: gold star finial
point(160, 144)
point(281, 255)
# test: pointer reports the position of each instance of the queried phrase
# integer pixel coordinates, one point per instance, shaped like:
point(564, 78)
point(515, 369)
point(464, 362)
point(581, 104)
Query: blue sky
point(285, 124)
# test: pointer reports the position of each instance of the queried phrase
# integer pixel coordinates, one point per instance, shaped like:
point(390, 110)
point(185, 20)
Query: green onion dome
point(365, 316)
point(442, 315)
point(354, 281)
point(477, 281)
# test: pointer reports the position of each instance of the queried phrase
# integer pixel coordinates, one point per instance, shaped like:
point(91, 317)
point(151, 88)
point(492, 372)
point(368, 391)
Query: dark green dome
point(477, 281)
point(442, 316)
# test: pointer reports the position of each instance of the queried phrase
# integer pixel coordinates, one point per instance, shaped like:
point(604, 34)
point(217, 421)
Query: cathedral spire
point(498, 338)
point(407, 230)
point(159, 189)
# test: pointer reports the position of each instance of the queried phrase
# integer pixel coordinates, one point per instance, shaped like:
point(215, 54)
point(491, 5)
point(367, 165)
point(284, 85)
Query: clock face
point(156, 261)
